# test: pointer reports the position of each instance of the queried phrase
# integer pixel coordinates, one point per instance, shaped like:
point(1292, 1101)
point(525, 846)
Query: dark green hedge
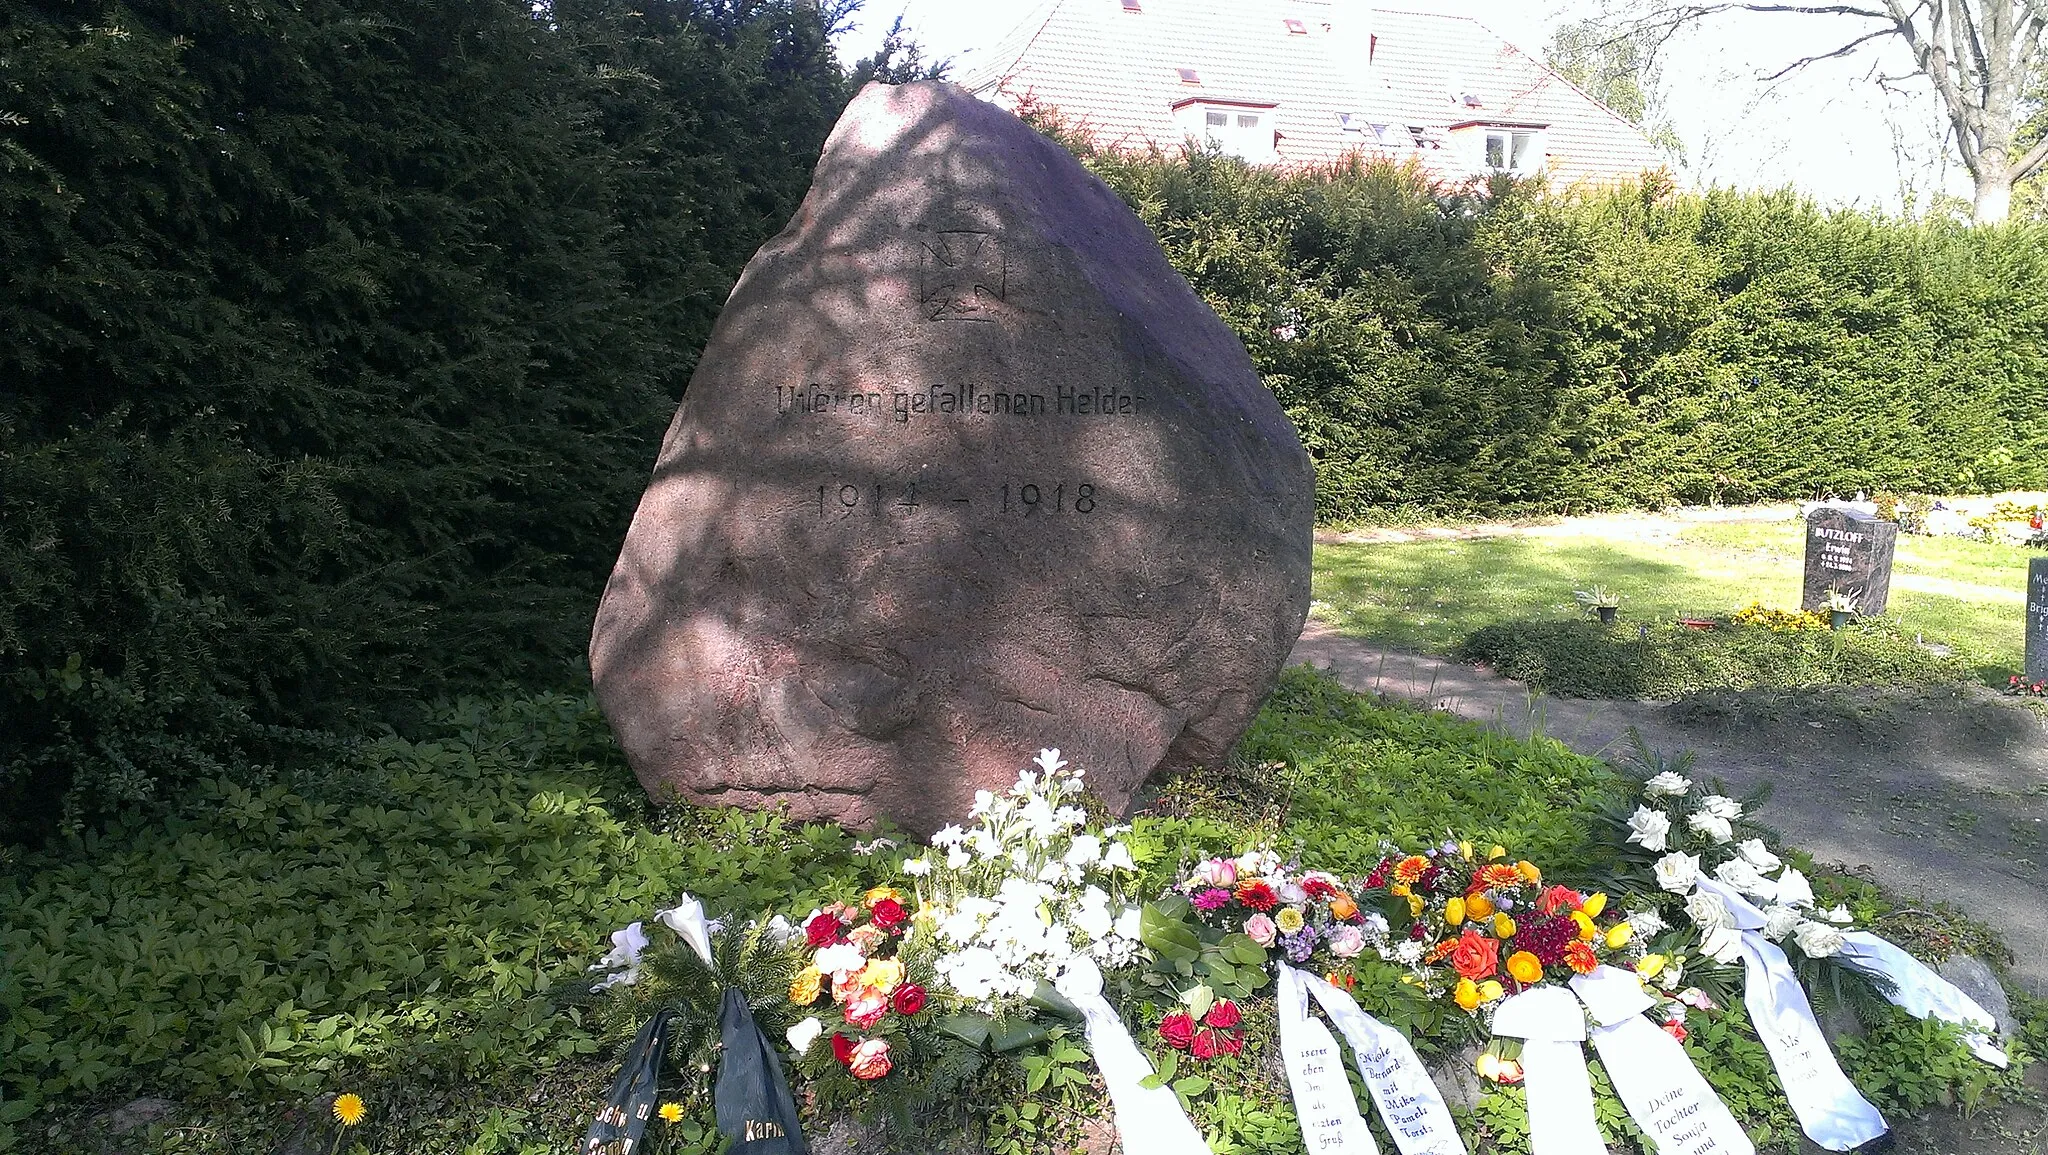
point(340, 335)
point(1511, 350)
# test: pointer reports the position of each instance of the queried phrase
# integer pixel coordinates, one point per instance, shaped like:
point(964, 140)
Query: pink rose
point(1218, 872)
point(1261, 930)
point(1346, 941)
point(866, 1008)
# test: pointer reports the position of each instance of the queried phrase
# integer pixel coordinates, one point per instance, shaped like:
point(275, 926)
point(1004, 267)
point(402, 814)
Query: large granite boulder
point(966, 470)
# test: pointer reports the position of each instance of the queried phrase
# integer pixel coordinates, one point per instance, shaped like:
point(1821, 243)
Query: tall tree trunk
point(1994, 190)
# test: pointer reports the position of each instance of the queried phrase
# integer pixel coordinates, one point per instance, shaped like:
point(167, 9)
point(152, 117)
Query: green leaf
point(1166, 935)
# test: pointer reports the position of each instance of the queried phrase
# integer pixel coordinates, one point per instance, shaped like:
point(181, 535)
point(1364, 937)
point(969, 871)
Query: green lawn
point(1429, 595)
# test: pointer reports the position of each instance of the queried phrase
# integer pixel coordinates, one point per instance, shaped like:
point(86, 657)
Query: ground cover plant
point(424, 945)
point(1432, 595)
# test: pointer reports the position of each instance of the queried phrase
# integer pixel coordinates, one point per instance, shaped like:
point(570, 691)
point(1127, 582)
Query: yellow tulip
point(1619, 934)
point(1503, 927)
point(1415, 906)
point(1594, 905)
point(1479, 906)
point(1496, 853)
point(1454, 910)
point(1528, 871)
point(1651, 965)
point(1466, 994)
point(1586, 928)
point(1465, 849)
point(1490, 990)
point(1525, 967)
point(1399, 890)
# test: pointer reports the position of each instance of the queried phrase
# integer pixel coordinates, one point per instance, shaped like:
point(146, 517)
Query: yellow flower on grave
point(1496, 852)
point(1465, 851)
point(1415, 906)
point(804, 991)
point(1466, 994)
point(1528, 871)
point(1454, 910)
point(1399, 890)
point(1525, 967)
point(1478, 906)
point(349, 1109)
point(671, 1112)
point(1651, 965)
point(878, 894)
point(1490, 990)
point(1289, 919)
point(1594, 905)
point(1503, 927)
point(1586, 928)
point(1619, 934)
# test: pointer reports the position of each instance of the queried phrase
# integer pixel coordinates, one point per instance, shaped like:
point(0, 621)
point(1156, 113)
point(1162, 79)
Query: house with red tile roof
point(1298, 83)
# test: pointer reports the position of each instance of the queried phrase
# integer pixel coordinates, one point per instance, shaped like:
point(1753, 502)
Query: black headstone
point(2037, 620)
point(1850, 552)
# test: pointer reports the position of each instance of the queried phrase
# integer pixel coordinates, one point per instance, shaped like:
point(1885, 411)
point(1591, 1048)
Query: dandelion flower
point(672, 1112)
point(348, 1109)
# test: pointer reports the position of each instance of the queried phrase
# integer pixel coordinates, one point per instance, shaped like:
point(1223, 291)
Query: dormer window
point(1132, 6)
point(1514, 150)
point(1296, 27)
point(1241, 129)
point(1189, 76)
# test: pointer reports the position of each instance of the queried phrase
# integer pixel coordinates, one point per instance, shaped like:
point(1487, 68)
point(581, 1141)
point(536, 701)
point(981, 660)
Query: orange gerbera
point(1411, 868)
point(1495, 875)
point(1580, 957)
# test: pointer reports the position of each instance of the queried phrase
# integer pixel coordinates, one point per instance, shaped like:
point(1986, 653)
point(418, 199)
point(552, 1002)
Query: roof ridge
point(998, 71)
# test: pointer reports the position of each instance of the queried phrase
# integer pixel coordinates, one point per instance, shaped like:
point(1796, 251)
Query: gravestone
point(2037, 620)
point(966, 470)
point(1849, 551)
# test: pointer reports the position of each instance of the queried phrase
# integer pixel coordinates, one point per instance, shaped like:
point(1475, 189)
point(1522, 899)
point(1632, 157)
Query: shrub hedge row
point(1516, 349)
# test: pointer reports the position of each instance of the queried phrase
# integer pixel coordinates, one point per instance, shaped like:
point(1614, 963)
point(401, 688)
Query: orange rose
point(1343, 908)
point(1556, 898)
point(1580, 957)
point(1476, 956)
point(1525, 968)
point(870, 1059)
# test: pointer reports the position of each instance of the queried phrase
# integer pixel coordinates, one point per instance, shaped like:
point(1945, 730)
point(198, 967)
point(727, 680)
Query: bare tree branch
point(1844, 50)
point(2035, 157)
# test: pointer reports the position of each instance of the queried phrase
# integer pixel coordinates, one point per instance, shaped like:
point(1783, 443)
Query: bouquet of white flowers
point(1028, 889)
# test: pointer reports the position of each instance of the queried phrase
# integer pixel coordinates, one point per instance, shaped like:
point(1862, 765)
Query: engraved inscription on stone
point(1850, 552)
point(2037, 620)
point(961, 275)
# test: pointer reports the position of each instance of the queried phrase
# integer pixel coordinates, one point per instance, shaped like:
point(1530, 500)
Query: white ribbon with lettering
point(1831, 1111)
point(1408, 1101)
point(1315, 1076)
point(1149, 1120)
point(1663, 1091)
point(1549, 1022)
point(1920, 992)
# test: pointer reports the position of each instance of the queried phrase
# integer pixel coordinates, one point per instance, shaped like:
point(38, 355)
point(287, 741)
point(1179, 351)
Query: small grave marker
point(2037, 620)
point(1851, 552)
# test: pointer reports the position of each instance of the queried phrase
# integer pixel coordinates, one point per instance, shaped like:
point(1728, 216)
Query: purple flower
point(1214, 898)
point(1299, 945)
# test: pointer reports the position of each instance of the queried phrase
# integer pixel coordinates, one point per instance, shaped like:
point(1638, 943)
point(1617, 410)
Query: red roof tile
point(1115, 72)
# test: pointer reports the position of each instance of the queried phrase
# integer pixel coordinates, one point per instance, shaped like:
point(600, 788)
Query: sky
point(1827, 130)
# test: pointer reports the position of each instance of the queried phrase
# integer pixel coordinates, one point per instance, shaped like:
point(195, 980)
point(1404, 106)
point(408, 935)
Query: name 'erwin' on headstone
point(967, 470)
point(1849, 552)
point(2037, 620)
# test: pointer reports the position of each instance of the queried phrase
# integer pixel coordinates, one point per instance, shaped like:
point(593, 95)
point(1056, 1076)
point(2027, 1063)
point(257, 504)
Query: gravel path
point(1941, 795)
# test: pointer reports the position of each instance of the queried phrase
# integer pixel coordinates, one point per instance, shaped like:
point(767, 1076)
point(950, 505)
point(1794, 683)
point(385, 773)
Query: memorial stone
point(2037, 620)
point(966, 470)
point(1850, 551)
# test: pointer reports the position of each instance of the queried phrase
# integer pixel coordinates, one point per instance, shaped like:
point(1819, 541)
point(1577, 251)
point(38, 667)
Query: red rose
point(843, 1047)
point(1675, 1029)
point(1258, 896)
point(1223, 1016)
point(1208, 1044)
point(1177, 1029)
point(1318, 888)
point(909, 999)
point(1233, 1043)
point(822, 929)
point(1559, 898)
point(1474, 956)
point(888, 914)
